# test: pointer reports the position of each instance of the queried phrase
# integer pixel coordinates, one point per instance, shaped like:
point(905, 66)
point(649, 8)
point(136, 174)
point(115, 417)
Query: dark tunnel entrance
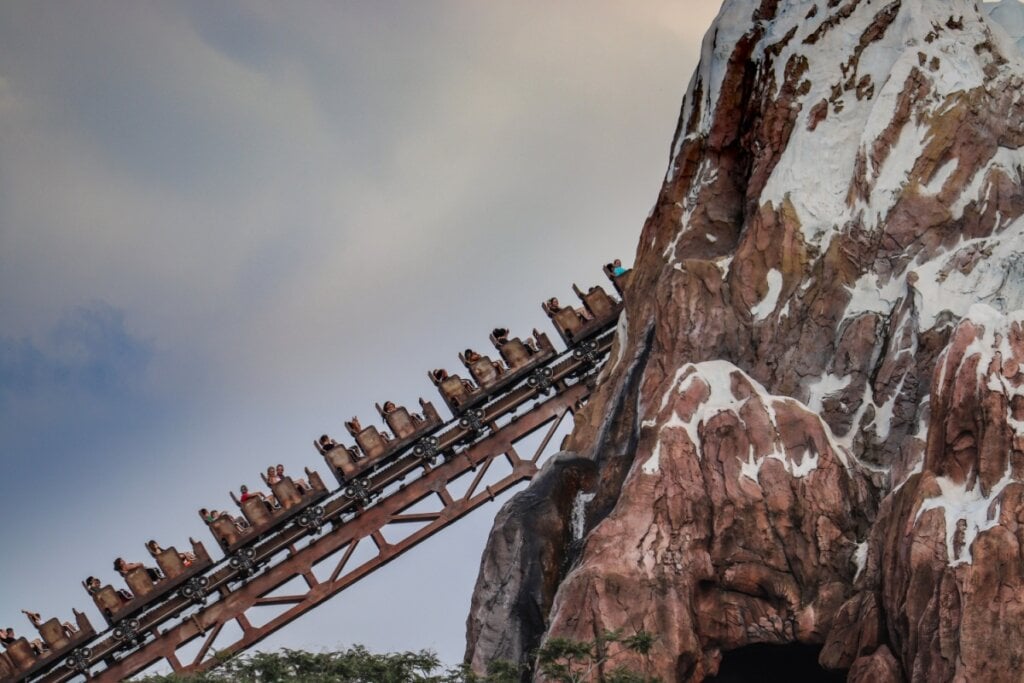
point(774, 664)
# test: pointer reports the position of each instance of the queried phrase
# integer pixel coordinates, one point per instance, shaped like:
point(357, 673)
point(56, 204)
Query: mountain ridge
point(786, 451)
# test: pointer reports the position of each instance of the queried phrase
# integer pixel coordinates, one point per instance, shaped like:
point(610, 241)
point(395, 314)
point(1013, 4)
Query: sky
point(227, 227)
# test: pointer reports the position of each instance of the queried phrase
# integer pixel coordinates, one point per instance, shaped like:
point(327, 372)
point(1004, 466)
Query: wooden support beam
point(231, 592)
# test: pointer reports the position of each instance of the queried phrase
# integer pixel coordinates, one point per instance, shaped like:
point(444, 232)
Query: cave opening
point(774, 663)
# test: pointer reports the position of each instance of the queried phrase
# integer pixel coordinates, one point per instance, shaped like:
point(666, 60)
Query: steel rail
point(568, 375)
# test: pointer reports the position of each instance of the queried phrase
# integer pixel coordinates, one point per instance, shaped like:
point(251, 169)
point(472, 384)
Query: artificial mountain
point(810, 430)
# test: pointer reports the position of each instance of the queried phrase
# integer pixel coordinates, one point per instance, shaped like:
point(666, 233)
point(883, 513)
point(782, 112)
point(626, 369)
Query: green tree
point(577, 661)
point(354, 665)
point(560, 659)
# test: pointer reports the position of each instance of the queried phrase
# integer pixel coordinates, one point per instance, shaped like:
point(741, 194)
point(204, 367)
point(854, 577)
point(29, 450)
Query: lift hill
point(380, 480)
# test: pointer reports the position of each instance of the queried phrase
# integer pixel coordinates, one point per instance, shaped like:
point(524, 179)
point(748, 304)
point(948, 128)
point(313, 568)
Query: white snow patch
point(653, 464)
point(827, 385)
point(883, 413)
point(979, 512)
point(732, 22)
point(994, 323)
point(860, 558)
point(1008, 15)
point(579, 513)
point(976, 510)
point(771, 298)
point(892, 176)
point(717, 377)
point(723, 265)
point(705, 176)
point(979, 189)
point(621, 338)
point(817, 166)
point(808, 463)
point(866, 295)
point(996, 278)
point(751, 467)
point(934, 186)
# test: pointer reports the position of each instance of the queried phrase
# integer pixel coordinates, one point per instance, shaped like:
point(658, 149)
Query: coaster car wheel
point(78, 660)
point(127, 629)
point(473, 420)
point(426, 448)
point(540, 379)
point(243, 561)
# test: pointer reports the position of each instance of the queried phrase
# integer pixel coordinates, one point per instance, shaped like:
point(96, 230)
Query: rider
point(353, 426)
point(122, 568)
point(325, 444)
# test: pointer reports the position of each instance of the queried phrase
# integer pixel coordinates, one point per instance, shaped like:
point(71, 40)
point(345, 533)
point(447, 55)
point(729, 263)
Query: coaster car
point(618, 281)
point(577, 324)
point(456, 392)
point(7, 669)
point(58, 637)
point(116, 605)
point(405, 424)
point(261, 516)
point(599, 305)
point(372, 449)
point(515, 352)
point(21, 655)
point(520, 357)
point(485, 372)
point(371, 441)
point(112, 603)
point(177, 566)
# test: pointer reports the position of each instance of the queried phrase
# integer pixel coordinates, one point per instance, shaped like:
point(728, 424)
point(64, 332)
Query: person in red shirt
point(246, 495)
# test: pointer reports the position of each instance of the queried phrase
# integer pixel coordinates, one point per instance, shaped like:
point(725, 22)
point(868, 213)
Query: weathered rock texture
point(525, 553)
point(946, 559)
point(808, 431)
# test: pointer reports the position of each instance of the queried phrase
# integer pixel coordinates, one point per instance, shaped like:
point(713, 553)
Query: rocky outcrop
point(741, 525)
point(527, 552)
point(805, 435)
point(947, 555)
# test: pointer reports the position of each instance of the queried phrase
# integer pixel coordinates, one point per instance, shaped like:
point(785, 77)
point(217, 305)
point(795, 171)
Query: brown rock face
point(948, 549)
point(532, 532)
point(807, 433)
point(742, 526)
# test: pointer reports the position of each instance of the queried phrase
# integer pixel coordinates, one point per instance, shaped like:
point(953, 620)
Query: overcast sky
point(226, 227)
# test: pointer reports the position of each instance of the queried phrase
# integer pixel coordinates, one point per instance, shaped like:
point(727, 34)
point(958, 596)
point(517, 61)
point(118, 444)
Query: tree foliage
point(354, 665)
point(560, 659)
point(576, 661)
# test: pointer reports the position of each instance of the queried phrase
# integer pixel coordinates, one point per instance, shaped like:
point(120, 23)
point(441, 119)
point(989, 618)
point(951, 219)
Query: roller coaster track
point(315, 547)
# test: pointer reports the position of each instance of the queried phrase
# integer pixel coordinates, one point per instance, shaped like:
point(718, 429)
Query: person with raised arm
point(122, 568)
point(353, 426)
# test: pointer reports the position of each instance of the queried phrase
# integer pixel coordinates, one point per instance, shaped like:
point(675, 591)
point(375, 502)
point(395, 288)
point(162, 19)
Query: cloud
point(85, 377)
point(88, 352)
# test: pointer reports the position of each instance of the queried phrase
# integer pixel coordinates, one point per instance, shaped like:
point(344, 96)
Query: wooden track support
point(341, 541)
